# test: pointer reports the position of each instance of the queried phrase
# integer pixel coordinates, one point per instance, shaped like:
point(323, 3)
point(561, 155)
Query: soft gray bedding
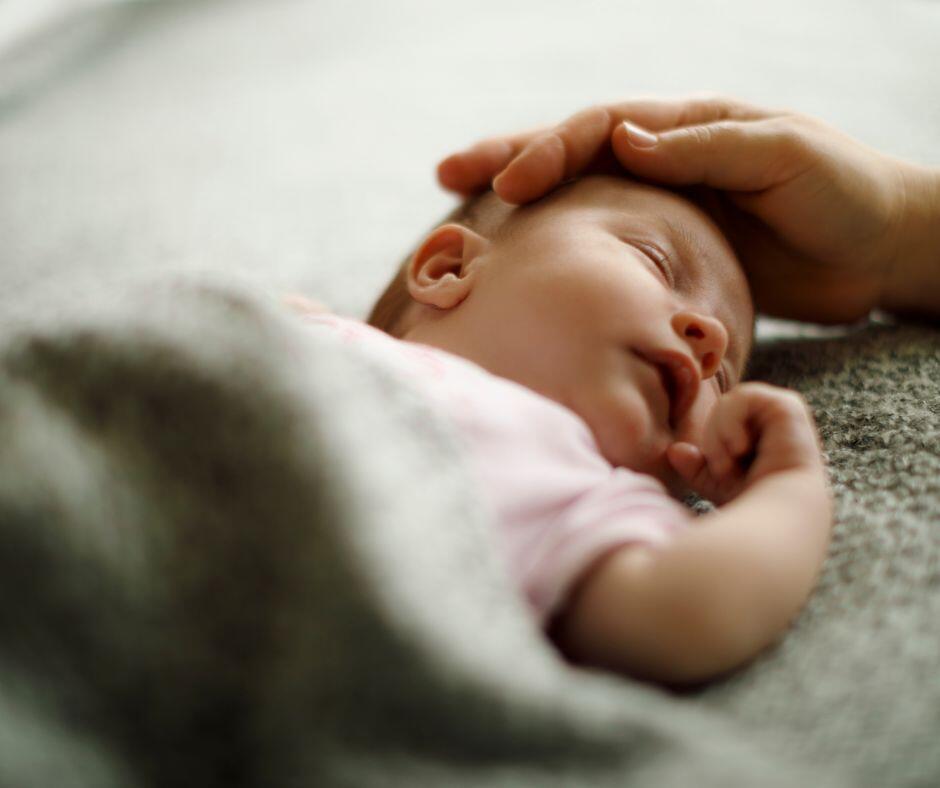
point(232, 555)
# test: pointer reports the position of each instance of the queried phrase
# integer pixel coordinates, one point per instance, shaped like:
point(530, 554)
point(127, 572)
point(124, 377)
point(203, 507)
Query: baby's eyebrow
point(684, 251)
point(687, 245)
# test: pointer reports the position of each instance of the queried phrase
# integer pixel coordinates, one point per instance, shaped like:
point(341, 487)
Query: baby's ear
point(444, 269)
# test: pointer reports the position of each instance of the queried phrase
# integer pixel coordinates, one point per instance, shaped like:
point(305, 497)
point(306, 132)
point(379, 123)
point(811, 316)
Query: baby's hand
point(753, 431)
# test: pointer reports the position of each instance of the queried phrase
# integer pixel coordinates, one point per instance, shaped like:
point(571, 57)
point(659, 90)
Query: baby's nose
point(706, 337)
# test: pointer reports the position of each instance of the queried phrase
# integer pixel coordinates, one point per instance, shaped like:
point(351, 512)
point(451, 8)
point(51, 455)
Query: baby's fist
point(753, 431)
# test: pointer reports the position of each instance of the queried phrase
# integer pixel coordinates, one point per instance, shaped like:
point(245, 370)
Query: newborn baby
point(589, 349)
point(622, 302)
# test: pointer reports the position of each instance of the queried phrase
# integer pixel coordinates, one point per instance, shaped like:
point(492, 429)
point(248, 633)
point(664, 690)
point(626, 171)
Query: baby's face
point(602, 297)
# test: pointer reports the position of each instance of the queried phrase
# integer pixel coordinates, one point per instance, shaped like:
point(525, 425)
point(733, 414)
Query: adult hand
point(824, 226)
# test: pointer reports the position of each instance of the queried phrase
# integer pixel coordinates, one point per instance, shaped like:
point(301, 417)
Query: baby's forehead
point(682, 222)
point(676, 219)
point(651, 203)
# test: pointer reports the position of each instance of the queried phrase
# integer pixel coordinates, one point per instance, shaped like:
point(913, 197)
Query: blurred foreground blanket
point(231, 554)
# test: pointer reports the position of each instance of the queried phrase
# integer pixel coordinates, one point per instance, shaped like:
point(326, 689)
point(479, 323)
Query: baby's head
point(620, 300)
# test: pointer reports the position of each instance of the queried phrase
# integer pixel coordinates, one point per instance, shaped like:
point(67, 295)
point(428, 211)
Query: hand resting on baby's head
point(826, 227)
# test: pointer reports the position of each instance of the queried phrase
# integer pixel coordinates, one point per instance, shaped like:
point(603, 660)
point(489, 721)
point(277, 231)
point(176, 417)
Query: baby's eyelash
point(659, 259)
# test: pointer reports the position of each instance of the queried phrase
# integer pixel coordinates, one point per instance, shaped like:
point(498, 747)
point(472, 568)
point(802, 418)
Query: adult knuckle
point(590, 118)
point(716, 133)
point(554, 139)
point(559, 141)
point(704, 106)
point(581, 134)
point(806, 123)
point(703, 136)
point(728, 127)
point(597, 115)
point(790, 134)
point(791, 149)
point(720, 104)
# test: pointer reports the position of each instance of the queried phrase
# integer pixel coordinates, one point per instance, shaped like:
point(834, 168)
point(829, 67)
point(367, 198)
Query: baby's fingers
point(731, 426)
point(726, 437)
point(688, 462)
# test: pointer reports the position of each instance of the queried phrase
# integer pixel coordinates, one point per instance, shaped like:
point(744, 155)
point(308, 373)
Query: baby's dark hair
point(483, 213)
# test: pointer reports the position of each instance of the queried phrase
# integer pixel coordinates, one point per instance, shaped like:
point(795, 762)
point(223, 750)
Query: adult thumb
point(747, 155)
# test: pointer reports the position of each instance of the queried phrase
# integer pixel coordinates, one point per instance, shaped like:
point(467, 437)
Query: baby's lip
point(680, 378)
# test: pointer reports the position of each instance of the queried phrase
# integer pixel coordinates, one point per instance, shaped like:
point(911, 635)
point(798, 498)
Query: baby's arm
point(728, 586)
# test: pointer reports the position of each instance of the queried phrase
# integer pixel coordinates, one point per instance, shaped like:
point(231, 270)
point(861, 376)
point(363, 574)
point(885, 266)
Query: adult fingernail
point(639, 137)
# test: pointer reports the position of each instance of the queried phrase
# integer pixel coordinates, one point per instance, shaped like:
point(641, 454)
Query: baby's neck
point(439, 334)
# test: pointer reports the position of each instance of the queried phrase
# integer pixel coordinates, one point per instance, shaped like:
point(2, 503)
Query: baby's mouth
point(679, 378)
point(668, 379)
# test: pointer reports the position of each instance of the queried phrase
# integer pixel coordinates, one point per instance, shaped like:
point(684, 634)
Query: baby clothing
point(559, 506)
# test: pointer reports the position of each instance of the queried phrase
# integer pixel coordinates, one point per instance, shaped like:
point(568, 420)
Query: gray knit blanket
point(233, 553)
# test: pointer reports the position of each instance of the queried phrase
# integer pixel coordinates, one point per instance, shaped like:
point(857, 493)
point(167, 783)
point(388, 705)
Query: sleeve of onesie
point(627, 508)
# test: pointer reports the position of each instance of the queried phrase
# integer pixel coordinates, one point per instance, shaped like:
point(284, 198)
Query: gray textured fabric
point(235, 554)
point(251, 558)
point(231, 555)
point(857, 681)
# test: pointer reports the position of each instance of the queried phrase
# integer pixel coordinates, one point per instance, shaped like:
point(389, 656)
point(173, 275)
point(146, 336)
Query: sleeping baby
point(589, 350)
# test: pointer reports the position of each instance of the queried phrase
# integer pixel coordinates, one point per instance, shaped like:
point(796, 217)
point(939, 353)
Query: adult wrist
point(912, 280)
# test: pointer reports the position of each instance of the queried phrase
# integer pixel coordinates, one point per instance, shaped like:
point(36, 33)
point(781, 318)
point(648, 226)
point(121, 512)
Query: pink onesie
point(559, 504)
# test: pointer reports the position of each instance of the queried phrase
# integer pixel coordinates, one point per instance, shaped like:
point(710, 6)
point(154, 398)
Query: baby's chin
point(630, 440)
point(660, 469)
point(652, 462)
point(677, 488)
